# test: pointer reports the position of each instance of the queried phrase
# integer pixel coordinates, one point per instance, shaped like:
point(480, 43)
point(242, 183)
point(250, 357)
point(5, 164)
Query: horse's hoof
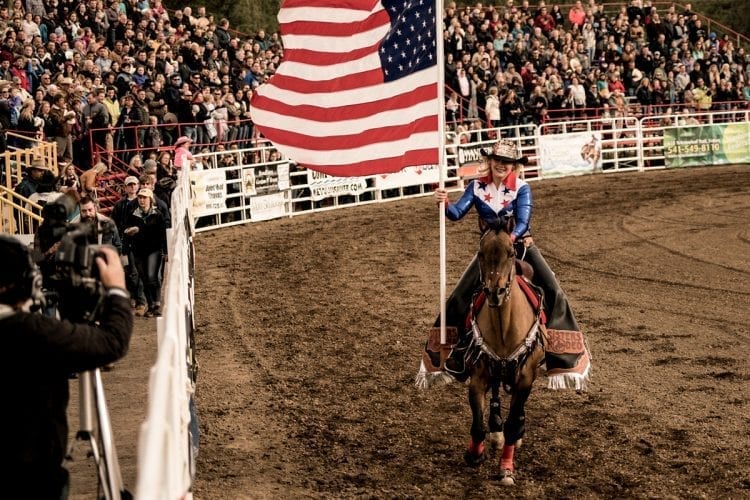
point(507, 478)
point(473, 460)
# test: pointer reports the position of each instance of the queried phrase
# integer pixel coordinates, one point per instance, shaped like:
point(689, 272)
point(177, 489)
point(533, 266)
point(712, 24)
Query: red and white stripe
point(328, 107)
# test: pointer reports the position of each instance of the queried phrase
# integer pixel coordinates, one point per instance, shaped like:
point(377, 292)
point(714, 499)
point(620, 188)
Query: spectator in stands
point(90, 180)
point(146, 228)
point(37, 179)
point(182, 154)
point(61, 120)
point(69, 179)
point(511, 108)
point(126, 137)
point(97, 120)
point(28, 124)
point(492, 107)
point(702, 95)
point(577, 16)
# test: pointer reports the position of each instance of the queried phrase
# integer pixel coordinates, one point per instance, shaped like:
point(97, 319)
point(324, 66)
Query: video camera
point(69, 270)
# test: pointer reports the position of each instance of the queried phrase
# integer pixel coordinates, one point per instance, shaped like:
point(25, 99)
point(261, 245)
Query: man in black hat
point(37, 179)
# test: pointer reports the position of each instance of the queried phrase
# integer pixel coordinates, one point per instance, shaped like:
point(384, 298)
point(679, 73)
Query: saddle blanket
point(567, 360)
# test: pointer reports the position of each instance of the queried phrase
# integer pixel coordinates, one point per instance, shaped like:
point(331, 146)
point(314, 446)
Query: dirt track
point(310, 329)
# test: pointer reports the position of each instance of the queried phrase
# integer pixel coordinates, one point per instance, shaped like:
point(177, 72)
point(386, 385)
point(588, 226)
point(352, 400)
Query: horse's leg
point(496, 418)
point(475, 454)
point(515, 424)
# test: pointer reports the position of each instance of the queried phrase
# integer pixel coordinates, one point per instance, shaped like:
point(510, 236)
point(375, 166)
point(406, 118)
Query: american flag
point(357, 91)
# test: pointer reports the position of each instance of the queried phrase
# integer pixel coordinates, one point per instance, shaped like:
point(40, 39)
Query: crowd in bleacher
point(138, 74)
point(515, 63)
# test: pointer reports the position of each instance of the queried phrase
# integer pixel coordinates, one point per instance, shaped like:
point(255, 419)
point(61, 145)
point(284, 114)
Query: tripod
point(94, 427)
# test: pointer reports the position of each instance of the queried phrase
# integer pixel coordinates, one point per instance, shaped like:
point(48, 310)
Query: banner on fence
point(209, 191)
point(269, 206)
point(469, 160)
point(707, 145)
point(265, 179)
point(571, 153)
point(326, 186)
point(410, 176)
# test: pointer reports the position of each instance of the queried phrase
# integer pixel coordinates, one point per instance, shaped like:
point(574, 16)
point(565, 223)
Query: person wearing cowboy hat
point(500, 194)
point(38, 178)
point(146, 230)
point(182, 154)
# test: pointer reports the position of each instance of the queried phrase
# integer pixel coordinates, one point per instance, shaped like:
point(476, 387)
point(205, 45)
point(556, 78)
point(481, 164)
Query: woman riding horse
point(501, 194)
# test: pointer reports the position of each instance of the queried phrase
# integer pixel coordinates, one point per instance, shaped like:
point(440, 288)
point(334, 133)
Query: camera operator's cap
point(38, 164)
point(505, 150)
point(146, 192)
point(131, 179)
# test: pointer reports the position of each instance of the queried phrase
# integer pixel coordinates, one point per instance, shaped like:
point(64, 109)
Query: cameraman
point(40, 353)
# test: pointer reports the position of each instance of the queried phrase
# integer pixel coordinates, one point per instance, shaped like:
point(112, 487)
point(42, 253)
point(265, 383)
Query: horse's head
point(496, 260)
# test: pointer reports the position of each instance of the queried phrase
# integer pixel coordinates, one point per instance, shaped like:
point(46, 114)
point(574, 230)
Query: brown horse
point(507, 348)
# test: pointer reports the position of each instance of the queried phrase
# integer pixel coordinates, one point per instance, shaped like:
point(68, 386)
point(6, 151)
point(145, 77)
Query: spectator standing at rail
point(120, 213)
point(146, 227)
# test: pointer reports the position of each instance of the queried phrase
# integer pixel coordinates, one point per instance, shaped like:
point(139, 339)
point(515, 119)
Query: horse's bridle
point(500, 294)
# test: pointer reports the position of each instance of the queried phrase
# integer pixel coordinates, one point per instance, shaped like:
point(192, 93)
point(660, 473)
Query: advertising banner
point(208, 191)
point(265, 179)
point(269, 206)
point(470, 160)
point(571, 153)
point(410, 176)
point(707, 145)
point(325, 186)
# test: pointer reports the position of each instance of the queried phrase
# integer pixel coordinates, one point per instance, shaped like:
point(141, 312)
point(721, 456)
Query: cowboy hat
point(39, 164)
point(505, 150)
point(182, 140)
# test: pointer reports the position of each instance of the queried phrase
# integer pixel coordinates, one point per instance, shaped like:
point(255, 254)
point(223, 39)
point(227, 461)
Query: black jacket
point(40, 354)
point(152, 231)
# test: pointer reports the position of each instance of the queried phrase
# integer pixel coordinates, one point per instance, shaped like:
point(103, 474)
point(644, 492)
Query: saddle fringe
point(426, 380)
point(562, 381)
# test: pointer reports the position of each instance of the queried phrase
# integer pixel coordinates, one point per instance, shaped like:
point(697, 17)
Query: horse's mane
point(498, 224)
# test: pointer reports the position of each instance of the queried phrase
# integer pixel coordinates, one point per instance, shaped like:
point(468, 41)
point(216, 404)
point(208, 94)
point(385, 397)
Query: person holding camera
point(40, 354)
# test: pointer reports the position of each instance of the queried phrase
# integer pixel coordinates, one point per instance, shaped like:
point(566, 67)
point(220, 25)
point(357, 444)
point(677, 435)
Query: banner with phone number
point(707, 145)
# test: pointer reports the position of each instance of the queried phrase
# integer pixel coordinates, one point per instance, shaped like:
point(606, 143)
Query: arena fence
point(239, 186)
point(169, 436)
point(256, 184)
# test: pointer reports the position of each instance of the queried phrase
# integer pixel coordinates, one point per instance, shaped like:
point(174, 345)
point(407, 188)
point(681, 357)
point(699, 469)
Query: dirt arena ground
point(310, 331)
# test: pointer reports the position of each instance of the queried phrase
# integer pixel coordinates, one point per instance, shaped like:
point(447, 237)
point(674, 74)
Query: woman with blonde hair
point(28, 124)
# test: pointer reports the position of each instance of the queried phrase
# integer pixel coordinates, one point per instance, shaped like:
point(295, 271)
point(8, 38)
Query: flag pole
point(441, 159)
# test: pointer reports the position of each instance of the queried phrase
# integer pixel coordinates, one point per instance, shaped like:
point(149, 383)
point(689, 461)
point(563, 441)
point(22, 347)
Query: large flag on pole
point(357, 91)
